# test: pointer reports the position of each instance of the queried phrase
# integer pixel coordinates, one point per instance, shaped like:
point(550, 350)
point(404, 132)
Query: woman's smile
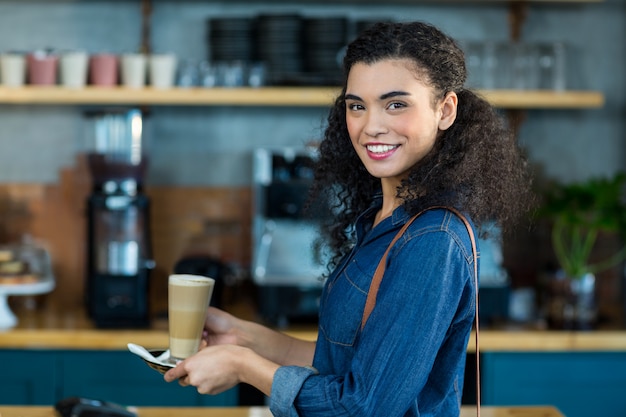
point(380, 151)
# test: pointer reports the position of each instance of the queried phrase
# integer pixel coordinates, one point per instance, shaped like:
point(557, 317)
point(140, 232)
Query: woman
point(403, 136)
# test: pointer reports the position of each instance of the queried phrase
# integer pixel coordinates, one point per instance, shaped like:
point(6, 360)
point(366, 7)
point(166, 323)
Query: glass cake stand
point(38, 278)
point(8, 319)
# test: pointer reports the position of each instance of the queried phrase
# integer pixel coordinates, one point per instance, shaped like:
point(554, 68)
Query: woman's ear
point(448, 110)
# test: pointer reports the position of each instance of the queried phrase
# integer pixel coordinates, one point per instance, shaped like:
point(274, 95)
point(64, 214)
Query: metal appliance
point(119, 253)
point(285, 267)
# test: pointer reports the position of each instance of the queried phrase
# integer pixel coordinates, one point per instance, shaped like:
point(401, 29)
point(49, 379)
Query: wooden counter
point(518, 367)
point(530, 411)
point(490, 341)
point(72, 330)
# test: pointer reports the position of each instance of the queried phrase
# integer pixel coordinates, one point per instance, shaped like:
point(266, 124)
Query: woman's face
point(391, 119)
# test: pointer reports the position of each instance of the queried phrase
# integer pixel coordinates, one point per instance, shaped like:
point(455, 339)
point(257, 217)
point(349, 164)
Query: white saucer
point(157, 359)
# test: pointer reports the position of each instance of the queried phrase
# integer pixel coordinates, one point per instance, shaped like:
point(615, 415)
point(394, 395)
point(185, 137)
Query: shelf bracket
point(518, 11)
point(146, 15)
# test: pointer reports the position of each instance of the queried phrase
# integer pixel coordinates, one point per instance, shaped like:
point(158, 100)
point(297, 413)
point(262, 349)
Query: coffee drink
point(189, 297)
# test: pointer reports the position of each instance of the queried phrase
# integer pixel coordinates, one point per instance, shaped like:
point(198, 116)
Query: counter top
point(490, 341)
point(466, 411)
point(72, 330)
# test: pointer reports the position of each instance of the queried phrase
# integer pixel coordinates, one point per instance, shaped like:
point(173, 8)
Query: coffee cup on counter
point(188, 299)
point(12, 69)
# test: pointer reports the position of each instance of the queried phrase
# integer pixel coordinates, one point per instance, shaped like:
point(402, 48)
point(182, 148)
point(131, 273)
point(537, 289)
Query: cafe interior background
point(200, 177)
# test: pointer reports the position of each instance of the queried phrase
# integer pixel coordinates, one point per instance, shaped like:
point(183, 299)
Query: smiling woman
point(402, 137)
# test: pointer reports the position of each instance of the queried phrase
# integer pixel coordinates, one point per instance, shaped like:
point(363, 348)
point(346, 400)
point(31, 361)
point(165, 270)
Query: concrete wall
point(212, 145)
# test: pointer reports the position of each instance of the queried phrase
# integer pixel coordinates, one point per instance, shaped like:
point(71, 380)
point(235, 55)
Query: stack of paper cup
point(74, 69)
point(42, 67)
point(12, 69)
point(133, 70)
point(103, 70)
point(162, 70)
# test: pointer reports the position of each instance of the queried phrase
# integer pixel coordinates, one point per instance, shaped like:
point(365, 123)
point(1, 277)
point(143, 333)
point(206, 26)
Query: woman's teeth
point(380, 148)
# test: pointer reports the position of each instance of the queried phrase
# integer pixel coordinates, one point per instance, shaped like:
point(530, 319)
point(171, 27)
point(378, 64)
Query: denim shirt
point(409, 359)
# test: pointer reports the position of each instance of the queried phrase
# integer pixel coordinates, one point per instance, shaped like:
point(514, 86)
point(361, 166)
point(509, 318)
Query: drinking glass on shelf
point(187, 74)
point(208, 74)
point(233, 75)
point(474, 57)
point(552, 66)
point(257, 74)
point(524, 66)
point(495, 65)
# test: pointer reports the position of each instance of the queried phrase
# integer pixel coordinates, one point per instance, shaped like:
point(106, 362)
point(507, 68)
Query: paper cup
point(74, 69)
point(103, 70)
point(162, 70)
point(12, 69)
point(133, 69)
point(42, 68)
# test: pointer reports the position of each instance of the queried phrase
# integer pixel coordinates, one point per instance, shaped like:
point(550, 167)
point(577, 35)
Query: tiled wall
point(211, 145)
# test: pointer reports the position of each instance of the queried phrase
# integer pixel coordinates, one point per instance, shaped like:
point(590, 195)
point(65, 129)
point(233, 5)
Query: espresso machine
point(119, 252)
point(286, 268)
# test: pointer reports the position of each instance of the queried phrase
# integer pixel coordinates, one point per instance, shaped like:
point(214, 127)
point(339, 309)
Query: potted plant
point(581, 213)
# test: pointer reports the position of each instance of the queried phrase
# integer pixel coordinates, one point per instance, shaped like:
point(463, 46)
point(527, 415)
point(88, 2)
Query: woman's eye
point(395, 106)
point(355, 106)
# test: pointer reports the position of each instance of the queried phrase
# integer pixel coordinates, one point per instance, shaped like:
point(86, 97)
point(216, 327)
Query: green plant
point(580, 212)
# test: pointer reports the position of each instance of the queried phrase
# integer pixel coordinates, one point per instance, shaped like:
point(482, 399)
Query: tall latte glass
point(189, 297)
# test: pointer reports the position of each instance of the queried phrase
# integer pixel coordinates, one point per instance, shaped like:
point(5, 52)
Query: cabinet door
point(122, 377)
point(580, 384)
point(28, 377)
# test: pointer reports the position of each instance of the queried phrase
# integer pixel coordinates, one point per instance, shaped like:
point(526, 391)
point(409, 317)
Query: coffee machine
point(119, 252)
point(286, 268)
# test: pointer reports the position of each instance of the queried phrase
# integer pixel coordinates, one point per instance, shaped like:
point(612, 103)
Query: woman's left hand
point(212, 370)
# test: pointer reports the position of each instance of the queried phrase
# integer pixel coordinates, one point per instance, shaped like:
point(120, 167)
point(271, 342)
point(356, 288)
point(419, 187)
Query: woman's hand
point(220, 328)
point(216, 369)
point(212, 370)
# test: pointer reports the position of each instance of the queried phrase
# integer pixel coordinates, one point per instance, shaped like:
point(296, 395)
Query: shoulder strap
point(370, 302)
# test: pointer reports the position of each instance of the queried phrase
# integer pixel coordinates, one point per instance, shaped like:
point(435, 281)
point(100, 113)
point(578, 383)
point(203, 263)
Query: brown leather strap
point(370, 302)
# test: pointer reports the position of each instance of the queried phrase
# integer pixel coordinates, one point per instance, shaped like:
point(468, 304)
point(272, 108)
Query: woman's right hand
point(220, 328)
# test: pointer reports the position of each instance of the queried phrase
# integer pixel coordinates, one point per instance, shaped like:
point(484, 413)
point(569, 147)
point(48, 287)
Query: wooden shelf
point(543, 99)
point(267, 96)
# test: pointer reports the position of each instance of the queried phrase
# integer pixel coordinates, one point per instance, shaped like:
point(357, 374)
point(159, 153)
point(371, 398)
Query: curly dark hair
point(475, 165)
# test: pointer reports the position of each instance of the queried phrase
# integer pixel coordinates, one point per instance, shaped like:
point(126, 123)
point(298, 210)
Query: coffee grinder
point(119, 254)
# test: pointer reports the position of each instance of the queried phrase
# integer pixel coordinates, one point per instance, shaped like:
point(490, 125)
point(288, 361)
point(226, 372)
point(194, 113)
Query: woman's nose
point(375, 124)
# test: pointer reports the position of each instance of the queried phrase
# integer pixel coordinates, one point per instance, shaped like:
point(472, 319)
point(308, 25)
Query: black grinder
point(119, 251)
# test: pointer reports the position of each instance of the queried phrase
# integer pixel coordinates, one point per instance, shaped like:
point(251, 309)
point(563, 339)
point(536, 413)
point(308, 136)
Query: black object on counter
point(206, 266)
point(119, 251)
point(86, 407)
